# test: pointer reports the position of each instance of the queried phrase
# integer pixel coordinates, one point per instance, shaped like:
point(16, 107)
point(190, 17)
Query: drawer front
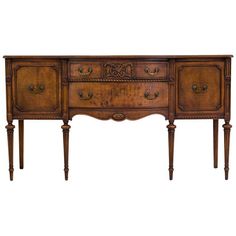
point(36, 88)
point(152, 70)
point(118, 95)
point(117, 71)
point(85, 70)
point(200, 87)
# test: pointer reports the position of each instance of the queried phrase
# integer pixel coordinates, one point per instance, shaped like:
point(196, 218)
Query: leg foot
point(66, 129)
point(215, 142)
point(227, 128)
point(21, 143)
point(10, 130)
point(171, 131)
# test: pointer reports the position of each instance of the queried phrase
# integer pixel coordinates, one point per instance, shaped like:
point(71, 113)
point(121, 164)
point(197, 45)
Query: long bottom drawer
point(122, 94)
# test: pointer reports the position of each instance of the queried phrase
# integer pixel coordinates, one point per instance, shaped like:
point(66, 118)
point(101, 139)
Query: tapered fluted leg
point(227, 128)
point(66, 129)
point(171, 131)
point(10, 130)
point(21, 143)
point(215, 142)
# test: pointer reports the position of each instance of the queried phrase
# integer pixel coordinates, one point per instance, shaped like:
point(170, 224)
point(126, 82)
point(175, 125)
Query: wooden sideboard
point(118, 88)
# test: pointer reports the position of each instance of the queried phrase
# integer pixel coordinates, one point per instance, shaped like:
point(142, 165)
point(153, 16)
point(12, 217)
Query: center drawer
point(117, 70)
point(118, 95)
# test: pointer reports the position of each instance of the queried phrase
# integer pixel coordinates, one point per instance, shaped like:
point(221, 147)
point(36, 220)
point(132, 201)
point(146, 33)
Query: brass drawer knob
point(85, 73)
point(199, 88)
point(36, 89)
point(150, 96)
point(85, 97)
point(152, 73)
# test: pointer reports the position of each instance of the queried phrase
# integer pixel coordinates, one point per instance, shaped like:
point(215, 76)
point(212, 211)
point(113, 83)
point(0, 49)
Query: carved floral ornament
point(118, 116)
point(118, 70)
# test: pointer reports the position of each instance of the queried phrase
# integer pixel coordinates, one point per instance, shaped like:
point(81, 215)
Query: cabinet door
point(200, 88)
point(37, 88)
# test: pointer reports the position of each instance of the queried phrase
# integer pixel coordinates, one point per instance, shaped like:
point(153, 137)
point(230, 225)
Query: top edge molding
point(115, 56)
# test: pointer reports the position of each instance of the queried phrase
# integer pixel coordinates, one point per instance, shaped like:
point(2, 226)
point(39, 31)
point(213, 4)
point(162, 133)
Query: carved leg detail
point(227, 128)
point(66, 129)
point(215, 142)
point(10, 130)
point(21, 143)
point(171, 130)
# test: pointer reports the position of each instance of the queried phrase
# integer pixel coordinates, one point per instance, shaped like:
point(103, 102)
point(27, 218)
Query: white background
point(118, 183)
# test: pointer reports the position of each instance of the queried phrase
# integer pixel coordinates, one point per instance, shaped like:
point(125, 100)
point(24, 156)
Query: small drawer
point(152, 70)
point(84, 70)
point(118, 95)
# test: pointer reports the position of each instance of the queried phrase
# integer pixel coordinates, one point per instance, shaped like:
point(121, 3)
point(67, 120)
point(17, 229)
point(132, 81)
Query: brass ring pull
point(149, 96)
point(89, 71)
point(152, 73)
point(199, 88)
point(83, 97)
point(36, 89)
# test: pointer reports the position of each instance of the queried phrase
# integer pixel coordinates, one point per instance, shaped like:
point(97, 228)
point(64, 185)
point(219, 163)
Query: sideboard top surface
point(116, 56)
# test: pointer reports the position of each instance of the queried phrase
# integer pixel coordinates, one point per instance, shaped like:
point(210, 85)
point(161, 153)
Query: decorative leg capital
point(65, 127)
point(10, 127)
point(171, 127)
point(227, 126)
